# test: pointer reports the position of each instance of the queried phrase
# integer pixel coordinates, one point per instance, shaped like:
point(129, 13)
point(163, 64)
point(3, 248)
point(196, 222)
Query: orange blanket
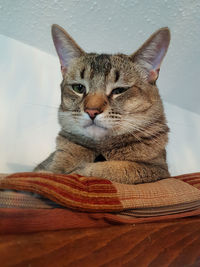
point(65, 197)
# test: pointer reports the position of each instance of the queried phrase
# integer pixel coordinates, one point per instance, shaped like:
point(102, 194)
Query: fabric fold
point(32, 199)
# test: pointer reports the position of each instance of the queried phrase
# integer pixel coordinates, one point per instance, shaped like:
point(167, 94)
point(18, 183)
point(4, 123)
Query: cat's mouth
point(95, 130)
point(94, 124)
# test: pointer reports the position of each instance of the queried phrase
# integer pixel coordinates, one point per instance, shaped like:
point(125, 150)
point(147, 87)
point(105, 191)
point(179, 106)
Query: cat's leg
point(45, 165)
point(125, 171)
point(67, 157)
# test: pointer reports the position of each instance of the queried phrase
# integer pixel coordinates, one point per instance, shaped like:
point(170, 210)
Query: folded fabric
point(101, 195)
point(67, 196)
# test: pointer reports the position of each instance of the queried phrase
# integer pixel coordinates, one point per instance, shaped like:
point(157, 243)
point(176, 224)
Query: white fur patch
point(96, 132)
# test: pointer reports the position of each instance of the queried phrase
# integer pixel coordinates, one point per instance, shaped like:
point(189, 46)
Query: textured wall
point(118, 25)
point(29, 97)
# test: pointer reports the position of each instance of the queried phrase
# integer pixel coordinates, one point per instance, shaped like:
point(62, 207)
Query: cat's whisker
point(142, 130)
point(148, 121)
point(132, 133)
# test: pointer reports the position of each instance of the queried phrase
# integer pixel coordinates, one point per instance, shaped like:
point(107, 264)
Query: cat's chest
point(129, 152)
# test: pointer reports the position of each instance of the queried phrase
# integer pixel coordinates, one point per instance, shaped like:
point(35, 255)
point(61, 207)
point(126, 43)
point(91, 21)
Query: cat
point(111, 115)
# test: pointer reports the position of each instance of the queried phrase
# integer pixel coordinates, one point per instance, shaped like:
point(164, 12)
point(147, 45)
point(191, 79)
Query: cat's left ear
point(66, 47)
point(150, 55)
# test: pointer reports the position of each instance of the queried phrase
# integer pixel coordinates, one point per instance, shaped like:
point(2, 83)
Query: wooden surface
point(175, 243)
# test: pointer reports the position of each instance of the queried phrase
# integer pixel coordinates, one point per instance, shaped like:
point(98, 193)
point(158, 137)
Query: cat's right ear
point(66, 47)
point(150, 55)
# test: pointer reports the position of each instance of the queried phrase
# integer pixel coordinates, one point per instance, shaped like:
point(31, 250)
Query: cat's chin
point(96, 132)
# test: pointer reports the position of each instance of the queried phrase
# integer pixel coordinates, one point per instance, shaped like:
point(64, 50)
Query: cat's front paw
point(91, 169)
point(84, 171)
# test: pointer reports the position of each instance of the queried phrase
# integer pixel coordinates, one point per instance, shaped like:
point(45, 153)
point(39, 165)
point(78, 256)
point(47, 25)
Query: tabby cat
point(111, 115)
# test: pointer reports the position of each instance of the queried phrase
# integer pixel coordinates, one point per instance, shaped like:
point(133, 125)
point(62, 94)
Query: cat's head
point(109, 95)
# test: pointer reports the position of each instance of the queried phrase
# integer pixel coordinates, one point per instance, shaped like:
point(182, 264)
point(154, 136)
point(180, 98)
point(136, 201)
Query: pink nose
point(92, 112)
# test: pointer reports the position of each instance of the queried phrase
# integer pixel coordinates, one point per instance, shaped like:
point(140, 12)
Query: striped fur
point(117, 114)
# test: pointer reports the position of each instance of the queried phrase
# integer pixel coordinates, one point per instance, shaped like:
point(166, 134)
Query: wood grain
point(173, 243)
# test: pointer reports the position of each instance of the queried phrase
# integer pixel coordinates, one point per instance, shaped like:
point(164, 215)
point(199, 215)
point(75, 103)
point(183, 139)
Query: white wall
point(184, 140)
point(29, 97)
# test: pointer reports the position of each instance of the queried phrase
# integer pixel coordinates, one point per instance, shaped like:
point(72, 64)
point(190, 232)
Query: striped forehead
point(99, 64)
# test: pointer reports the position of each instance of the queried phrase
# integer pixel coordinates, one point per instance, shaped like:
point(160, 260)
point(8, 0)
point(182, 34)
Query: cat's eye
point(79, 88)
point(119, 90)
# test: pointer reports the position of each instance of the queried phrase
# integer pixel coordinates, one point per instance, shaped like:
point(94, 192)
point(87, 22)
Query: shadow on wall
point(14, 167)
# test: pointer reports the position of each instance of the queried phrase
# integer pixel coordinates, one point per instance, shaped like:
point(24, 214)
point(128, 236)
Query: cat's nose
point(92, 112)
